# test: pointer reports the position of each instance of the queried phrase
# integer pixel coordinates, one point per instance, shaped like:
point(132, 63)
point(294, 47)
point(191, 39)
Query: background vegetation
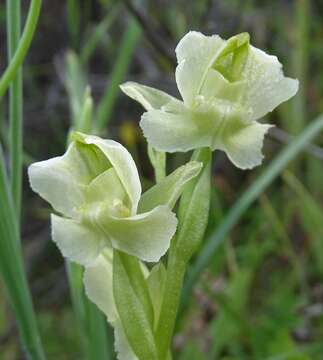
point(261, 296)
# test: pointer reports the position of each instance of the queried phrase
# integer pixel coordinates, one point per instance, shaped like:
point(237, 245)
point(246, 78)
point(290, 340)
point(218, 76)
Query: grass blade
point(248, 197)
point(74, 21)
point(15, 105)
point(98, 34)
point(124, 57)
point(24, 43)
point(12, 271)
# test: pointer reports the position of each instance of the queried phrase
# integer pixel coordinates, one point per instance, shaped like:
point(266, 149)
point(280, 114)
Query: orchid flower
point(226, 86)
point(96, 190)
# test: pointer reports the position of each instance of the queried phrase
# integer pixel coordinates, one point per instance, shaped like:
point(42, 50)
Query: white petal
point(177, 131)
point(148, 97)
point(146, 236)
point(123, 164)
point(98, 284)
point(195, 54)
point(243, 143)
point(56, 180)
point(266, 85)
point(78, 242)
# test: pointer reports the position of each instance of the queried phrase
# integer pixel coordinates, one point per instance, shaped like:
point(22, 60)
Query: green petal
point(59, 181)
point(177, 131)
point(146, 236)
point(266, 85)
point(148, 97)
point(98, 284)
point(230, 61)
point(78, 242)
point(167, 191)
point(243, 143)
point(217, 86)
point(195, 54)
point(106, 187)
point(122, 163)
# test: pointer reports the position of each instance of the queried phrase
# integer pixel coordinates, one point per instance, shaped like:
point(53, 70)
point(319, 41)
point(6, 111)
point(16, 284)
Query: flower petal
point(266, 85)
point(78, 242)
point(167, 191)
point(177, 131)
point(243, 143)
point(106, 187)
point(59, 181)
point(146, 236)
point(98, 284)
point(195, 54)
point(123, 164)
point(148, 97)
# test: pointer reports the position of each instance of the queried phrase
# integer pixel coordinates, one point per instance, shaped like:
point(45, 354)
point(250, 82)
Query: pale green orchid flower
point(96, 188)
point(226, 85)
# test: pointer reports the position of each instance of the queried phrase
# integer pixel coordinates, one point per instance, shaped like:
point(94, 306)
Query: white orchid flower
point(226, 85)
point(95, 188)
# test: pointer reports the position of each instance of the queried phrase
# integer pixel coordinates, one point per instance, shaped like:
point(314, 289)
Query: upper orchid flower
point(95, 186)
point(226, 85)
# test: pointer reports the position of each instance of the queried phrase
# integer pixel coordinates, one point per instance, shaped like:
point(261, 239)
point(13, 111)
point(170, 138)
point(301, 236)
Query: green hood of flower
point(226, 85)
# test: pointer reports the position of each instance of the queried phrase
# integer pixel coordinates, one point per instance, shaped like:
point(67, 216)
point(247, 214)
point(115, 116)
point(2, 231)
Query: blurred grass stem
point(128, 45)
point(15, 105)
point(13, 273)
point(23, 46)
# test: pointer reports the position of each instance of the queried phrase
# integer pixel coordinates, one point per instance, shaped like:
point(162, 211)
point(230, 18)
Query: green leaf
point(134, 305)
point(194, 208)
point(167, 191)
point(156, 284)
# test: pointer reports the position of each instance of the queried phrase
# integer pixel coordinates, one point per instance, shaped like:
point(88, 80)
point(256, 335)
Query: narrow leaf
point(134, 309)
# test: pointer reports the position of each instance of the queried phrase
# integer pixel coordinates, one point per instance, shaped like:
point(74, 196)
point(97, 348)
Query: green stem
point(24, 43)
point(15, 105)
point(172, 294)
point(12, 271)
